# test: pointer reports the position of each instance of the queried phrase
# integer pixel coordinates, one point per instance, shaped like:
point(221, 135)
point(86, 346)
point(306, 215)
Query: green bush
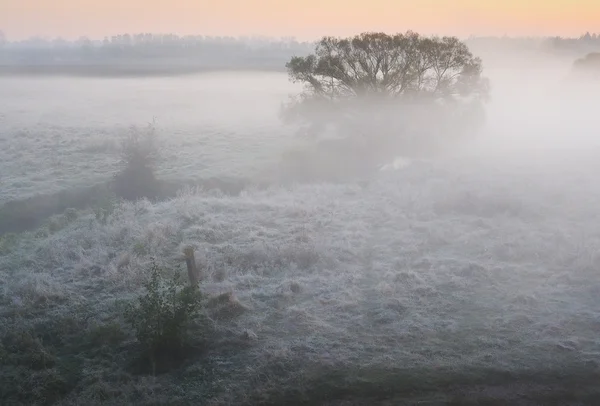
point(161, 319)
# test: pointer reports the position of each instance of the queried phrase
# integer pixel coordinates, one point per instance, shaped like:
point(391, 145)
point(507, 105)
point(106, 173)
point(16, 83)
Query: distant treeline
point(169, 51)
point(580, 45)
point(151, 49)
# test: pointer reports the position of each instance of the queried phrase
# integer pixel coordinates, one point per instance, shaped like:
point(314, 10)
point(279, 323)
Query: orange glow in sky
point(305, 19)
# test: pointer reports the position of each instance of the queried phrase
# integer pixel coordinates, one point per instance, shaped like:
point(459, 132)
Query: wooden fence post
point(190, 261)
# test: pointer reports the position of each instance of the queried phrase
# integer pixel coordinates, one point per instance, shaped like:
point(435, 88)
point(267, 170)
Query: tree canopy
point(389, 65)
point(385, 81)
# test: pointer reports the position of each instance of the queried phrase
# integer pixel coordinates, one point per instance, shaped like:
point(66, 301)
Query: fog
point(541, 104)
point(474, 266)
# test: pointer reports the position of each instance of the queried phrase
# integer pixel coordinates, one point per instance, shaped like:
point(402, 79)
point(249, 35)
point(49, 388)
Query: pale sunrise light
point(299, 202)
point(300, 18)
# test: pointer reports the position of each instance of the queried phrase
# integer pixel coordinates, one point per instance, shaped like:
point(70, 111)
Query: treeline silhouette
point(154, 48)
point(587, 42)
point(194, 52)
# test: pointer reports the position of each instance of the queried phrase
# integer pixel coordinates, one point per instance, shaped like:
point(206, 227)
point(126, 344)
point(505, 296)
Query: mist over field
point(462, 272)
point(65, 131)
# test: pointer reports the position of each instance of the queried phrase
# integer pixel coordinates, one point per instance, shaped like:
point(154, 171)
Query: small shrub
point(139, 147)
point(225, 306)
point(139, 157)
point(295, 287)
point(161, 319)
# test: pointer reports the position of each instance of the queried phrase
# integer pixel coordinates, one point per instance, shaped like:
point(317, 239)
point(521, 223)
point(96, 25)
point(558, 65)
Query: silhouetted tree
point(391, 89)
point(589, 64)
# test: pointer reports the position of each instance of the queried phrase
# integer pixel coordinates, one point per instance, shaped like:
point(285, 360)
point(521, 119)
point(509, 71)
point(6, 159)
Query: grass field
point(60, 133)
point(470, 279)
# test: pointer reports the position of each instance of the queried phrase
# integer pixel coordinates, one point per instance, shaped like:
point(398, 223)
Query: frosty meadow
point(340, 267)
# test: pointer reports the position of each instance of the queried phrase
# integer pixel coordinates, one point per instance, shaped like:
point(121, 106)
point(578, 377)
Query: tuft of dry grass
point(225, 306)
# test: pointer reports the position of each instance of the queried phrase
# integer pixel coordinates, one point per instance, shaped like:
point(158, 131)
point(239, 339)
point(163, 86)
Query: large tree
point(390, 89)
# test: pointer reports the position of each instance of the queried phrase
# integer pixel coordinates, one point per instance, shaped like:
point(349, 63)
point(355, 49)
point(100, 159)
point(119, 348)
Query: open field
point(436, 272)
point(465, 279)
point(59, 133)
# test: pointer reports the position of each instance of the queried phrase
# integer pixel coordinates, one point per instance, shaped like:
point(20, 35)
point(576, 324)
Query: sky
point(303, 19)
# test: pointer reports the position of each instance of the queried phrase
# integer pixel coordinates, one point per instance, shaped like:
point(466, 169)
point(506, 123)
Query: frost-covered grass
point(63, 133)
point(456, 280)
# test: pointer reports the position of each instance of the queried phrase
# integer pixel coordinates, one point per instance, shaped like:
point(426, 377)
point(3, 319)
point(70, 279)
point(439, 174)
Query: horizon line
point(284, 38)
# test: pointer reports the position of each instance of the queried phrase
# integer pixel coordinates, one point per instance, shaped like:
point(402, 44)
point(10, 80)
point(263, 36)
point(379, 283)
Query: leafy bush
point(139, 157)
point(161, 319)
